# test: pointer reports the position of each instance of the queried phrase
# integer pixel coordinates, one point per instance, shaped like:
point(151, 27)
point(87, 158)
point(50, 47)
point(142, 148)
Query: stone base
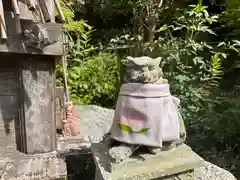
point(69, 161)
point(178, 163)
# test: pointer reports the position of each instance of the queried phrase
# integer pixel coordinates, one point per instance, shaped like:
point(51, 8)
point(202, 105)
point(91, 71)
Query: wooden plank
point(59, 9)
point(37, 106)
point(8, 83)
point(3, 29)
point(59, 108)
point(51, 9)
point(8, 113)
point(25, 13)
point(8, 94)
point(7, 5)
point(45, 12)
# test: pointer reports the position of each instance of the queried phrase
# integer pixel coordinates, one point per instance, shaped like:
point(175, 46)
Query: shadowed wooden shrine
point(30, 46)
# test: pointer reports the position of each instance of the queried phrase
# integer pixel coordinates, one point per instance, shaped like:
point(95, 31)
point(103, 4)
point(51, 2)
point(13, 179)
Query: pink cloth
point(71, 126)
point(146, 114)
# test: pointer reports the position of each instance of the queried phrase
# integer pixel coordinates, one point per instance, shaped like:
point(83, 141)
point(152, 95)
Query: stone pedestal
point(71, 160)
point(27, 101)
point(36, 130)
point(178, 163)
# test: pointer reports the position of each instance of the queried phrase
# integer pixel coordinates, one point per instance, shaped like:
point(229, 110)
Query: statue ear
point(158, 60)
point(129, 59)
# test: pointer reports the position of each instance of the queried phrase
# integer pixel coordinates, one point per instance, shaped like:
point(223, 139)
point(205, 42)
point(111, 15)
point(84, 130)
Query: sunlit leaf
point(142, 131)
point(125, 128)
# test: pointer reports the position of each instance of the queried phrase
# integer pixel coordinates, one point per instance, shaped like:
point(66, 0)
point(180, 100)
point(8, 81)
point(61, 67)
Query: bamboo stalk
point(31, 5)
point(41, 15)
point(44, 9)
point(15, 7)
point(40, 11)
point(2, 23)
point(51, 9)
point(59, 9)
point(17, 16)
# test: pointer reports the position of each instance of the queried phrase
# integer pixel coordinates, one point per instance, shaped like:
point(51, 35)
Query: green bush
point(92, 77)
point(94, 81)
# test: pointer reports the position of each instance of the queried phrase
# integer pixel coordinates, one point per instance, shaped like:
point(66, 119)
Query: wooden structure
point(30, 46)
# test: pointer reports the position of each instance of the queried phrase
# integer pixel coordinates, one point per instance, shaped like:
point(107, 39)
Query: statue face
point(142, 70)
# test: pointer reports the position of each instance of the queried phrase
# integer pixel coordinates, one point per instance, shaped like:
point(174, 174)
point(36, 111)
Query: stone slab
point(163, 164)
point(47, 166)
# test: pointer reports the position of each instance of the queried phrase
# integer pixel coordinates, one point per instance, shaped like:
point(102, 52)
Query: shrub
point(94, 81)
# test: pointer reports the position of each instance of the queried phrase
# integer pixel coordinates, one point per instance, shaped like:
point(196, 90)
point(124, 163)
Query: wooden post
point(16, 11)
point(59, 108)
point(31, 5)
point(15, 7)
point(51, 9)
point(59, 9)
point(3, 29)
point(37, 128)
point(45, 11)
point(40, 11)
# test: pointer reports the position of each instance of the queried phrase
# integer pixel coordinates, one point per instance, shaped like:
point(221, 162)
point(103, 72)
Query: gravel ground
point(213, 172)
point(96, 121)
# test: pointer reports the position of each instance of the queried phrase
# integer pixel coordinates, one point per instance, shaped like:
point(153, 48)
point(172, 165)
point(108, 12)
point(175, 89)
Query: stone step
point(177, 163)
point(70, 160)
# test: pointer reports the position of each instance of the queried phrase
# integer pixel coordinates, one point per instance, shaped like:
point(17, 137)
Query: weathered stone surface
point(27, 91)
point(187, 175)
point(163, 165)
point(96, 121)
point(212, 172)
point(36, 126)
point(120, 153)
point(16, 41)
point(47, 166)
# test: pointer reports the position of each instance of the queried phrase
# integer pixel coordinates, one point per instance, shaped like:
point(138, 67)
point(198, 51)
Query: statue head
point(142, 69)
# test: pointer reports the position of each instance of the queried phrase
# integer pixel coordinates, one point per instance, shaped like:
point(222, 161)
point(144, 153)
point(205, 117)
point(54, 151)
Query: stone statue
point(146, 114)
point(37, 37)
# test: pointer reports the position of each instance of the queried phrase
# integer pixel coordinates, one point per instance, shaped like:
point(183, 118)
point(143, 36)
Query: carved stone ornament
point(37, 37)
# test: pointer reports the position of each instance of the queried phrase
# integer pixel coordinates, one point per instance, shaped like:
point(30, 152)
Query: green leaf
point(125, 128)
point(237, 42)
point(163, 28)
point(142, 131)
point(221, 44)
point(211, 32)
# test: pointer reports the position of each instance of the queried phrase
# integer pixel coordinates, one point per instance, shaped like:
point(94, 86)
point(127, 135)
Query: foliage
point(92, 76)
point(74, 29)
point(190, 64)
point(230, 20)
point(94, 80)
point(200, 53)
point(81, 49)
point(195, 67)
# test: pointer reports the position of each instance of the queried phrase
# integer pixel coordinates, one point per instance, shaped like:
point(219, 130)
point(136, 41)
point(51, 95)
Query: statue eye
point(151, 68)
